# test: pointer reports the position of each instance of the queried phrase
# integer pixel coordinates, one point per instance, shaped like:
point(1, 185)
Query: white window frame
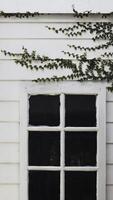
point(69, 87)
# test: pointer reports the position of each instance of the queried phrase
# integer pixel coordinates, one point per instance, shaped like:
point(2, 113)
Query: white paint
point(109, 96)
point(9, 111)
point(109, 175)
point(21, 73)
point(58, 128)
point(62, 146)
point(109, 133)
point(24, 145)
point(52, 168)
point(9, 174)
point(45, 168)
point(9, 192)
point(36, 30)
point(62, 6)
point(101, 144)
point(9, 132)
point(9, 153)
point(84, 129)
point(9, 91)
point(110, 192)
point(109, 111)
point(57, 87)
point(109, 154)
point(84, 169)
point(54, 50)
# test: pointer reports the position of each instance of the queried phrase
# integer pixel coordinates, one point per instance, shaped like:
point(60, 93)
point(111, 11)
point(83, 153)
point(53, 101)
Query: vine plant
point(81, 66)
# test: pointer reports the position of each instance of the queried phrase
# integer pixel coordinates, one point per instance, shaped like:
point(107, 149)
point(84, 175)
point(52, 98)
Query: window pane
point(44, 110)
point(44, 185)
point(80, 110)
point(80, 185)
point(80, 148)
point(44, 148)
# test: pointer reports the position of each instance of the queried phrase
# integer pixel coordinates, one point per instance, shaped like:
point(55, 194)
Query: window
point(63, 142)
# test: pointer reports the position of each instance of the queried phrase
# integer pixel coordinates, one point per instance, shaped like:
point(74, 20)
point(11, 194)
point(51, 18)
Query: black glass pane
point(44, 110)
point(44, 148)
point(80, 148)
point(80, 110)
point(80, 185)
point(44, 185)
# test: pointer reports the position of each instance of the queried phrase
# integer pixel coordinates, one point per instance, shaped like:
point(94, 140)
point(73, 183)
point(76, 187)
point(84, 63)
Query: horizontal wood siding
point(109, 174)
point(49, 46)
point(9, 111)
point(109, 191)
point(110, 153)
point(9, 152)
point(34, 35)
point(8, 192)
point(9, 90)
point(9, 140)
point(9, 132)
point(110, 112)
point(35, 30)
point(9, 174)
point(109, 130)
point(109, 139)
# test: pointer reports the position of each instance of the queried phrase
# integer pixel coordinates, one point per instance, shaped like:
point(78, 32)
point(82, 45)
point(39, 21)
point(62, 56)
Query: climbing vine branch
point(80, 65)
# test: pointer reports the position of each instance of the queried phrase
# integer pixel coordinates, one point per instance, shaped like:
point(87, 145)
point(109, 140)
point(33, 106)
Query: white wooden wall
point(59, 6)
point(14, 33)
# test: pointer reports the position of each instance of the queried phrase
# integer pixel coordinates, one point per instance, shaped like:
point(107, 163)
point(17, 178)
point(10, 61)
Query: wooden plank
point(10, 71)
point(109, 176)
point(9, 91)
point(9, 192)
point(109, 112)
point(88, 87)
point(109, 192)
point(9, 132)
point(9, 111)
point(54, 49)
point(9, 173)
point(35, 30)
point(109, 154)
point(109, 132)
point(9, 153)
point(109, 96)
point(101, 143)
